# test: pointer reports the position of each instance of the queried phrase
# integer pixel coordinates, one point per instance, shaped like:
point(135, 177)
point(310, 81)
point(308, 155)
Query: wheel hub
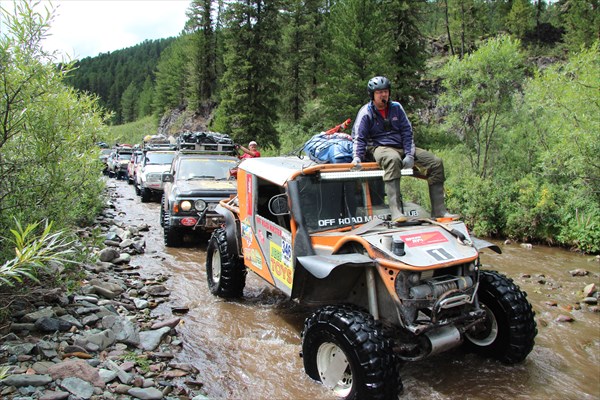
point(485, 333)
point(334, 369)
point(216, 267)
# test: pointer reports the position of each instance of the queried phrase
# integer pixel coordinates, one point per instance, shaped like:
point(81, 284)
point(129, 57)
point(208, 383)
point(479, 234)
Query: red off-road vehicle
point(382, 292)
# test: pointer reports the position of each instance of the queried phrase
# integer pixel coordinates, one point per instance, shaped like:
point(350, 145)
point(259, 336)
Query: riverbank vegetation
point(49, 169)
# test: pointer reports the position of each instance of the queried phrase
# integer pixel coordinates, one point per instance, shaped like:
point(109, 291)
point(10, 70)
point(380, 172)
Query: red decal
point(423, 239)
point(188, 221)
point(248, 194)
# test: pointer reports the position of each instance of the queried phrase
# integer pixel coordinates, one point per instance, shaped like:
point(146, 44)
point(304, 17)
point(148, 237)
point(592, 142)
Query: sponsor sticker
point(282, 272)
point(423, 238)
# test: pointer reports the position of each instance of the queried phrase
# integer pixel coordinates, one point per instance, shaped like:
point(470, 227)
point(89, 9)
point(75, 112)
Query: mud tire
point(225, 273)
point(510, 329)
point(372, 371)
point(146, 195)
point(172, 236)
point(162, 212)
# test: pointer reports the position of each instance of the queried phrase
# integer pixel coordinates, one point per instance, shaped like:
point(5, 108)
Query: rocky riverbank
point(101, 342)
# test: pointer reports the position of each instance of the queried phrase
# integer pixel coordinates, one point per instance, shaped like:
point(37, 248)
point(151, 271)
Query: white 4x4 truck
point(380, 292)
point(154, 164)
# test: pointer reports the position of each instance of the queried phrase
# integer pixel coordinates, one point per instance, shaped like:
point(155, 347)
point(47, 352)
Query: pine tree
point(171, 76)
point(581, 22)
point(129, 101)
point(303, 45)
point(144, 104)
point(521, 18)
point(202, 74)
point(358, 36)
point(406, 48)
point(250, 85)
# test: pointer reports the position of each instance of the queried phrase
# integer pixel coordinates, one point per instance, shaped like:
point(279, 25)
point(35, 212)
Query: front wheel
point(346, 350)
point(509, 329)
point(145, 194)
point(225, 273)
point(162, 212)
point(172, 236)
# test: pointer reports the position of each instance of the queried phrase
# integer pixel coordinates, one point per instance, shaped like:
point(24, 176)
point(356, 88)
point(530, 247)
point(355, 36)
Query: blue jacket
point(369, 130)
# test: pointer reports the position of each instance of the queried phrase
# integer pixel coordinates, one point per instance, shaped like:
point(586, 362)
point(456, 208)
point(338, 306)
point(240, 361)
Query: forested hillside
point(124, 79)
point(506, 92)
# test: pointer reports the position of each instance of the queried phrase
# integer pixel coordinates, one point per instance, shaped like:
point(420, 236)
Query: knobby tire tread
point(233, 272)
point(379, 367)
point(520, 318)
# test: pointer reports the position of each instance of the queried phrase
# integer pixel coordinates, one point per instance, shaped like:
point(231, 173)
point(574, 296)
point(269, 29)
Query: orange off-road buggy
point(382, 292)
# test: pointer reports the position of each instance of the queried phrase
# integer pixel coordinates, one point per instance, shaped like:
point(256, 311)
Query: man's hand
point(357, 166)
point(408, 162)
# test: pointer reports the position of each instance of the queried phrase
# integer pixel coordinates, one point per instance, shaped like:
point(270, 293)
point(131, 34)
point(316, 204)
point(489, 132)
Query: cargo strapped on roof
point(208, 142)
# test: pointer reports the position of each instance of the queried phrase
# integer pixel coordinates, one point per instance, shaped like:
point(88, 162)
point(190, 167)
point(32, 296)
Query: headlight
point(200, 205)
point(186, 205)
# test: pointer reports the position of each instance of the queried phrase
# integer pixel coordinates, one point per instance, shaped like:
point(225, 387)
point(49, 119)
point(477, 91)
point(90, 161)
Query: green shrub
point(34, 251)
point(533, 210)
point(580, 224)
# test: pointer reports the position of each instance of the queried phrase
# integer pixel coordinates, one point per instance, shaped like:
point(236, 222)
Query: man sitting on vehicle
point(382, 131)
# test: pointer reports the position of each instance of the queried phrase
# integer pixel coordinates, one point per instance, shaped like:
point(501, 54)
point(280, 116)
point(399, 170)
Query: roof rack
point(216, 152)
point(160, 146)
point(208, 142)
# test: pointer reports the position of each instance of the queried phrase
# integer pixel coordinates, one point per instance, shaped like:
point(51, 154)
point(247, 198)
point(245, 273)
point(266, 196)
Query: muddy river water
point(249, 348)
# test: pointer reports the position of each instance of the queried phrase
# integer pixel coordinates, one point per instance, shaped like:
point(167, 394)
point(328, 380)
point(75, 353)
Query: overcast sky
point(86, 28)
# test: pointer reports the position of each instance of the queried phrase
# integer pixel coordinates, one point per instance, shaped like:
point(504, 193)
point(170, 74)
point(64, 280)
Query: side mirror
point(278, 205)
point(167, 177)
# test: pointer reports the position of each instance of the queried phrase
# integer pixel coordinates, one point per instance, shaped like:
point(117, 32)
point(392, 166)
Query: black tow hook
point(200, 218)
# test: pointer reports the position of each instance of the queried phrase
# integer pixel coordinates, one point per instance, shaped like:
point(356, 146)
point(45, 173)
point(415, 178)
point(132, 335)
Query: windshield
point(159, 158)
point(337, 204)
point(125, 156)
point(203, 168)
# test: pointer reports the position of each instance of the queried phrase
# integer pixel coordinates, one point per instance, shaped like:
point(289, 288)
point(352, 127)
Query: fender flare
point(320, 266)
point(232, 230)
point(481, 244)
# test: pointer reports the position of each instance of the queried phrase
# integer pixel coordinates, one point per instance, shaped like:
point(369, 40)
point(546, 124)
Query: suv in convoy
point(132, 167)
point(119, 161)
point(104, 159)
point(199, 177)
point(154, 163)
point(379, 292)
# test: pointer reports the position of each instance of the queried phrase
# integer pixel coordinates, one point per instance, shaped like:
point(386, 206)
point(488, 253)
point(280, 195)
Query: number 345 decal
point(440, 254)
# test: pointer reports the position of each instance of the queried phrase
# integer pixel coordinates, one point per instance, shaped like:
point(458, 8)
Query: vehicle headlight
point(186, 205)
point(200, 205)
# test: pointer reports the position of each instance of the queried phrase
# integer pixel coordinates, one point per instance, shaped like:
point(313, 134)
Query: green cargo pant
point(390, 160)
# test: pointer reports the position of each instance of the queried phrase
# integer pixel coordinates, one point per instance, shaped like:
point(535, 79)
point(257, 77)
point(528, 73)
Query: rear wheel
point(346, 350)
point(225, 273)
point(509, 330)
point(145, 194)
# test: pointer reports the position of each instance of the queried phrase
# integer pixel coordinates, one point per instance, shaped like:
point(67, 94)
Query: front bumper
point(208, 222)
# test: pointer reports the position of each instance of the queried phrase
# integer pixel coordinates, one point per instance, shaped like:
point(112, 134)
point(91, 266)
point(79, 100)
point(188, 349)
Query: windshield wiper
point(193, 178)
